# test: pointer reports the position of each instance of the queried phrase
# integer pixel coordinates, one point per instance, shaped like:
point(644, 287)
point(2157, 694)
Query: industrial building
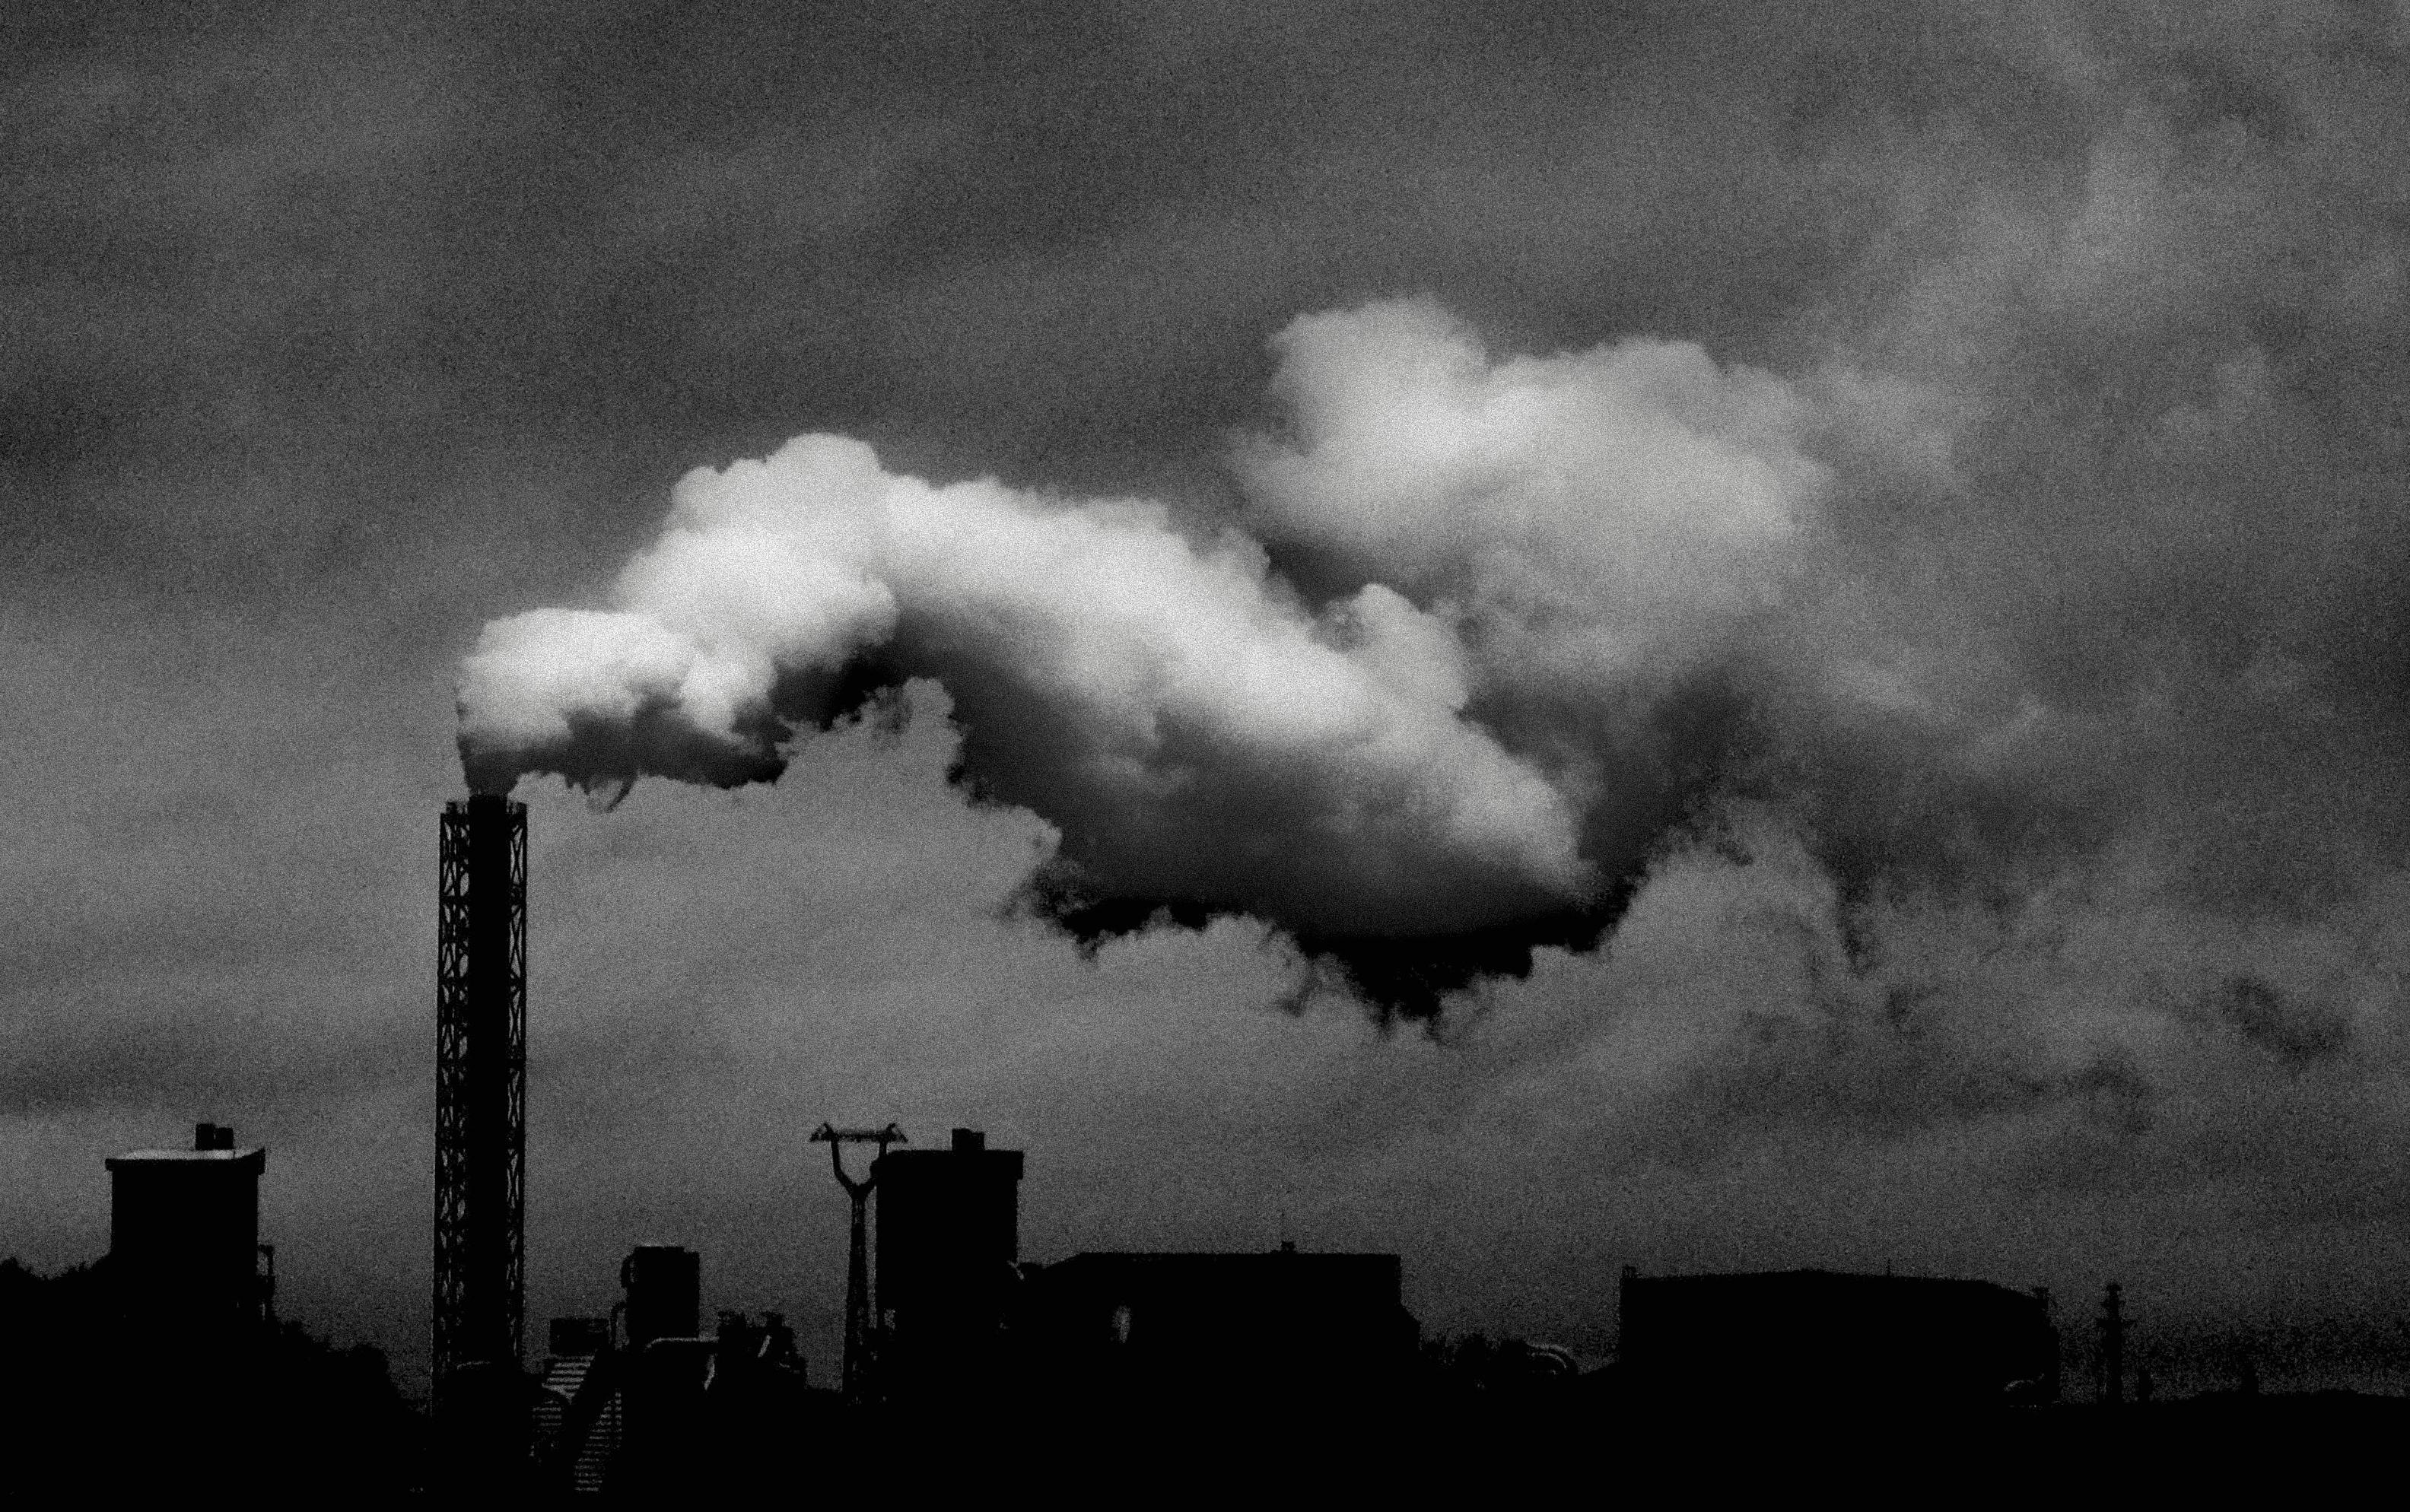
point(948, 1264)
point(184, 1255)
point(641, 1402)
point(1206, 1328)
point(1822, 1337)
point(162, 1369)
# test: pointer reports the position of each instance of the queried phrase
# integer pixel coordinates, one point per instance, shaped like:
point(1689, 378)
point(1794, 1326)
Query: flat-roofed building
point(949, 1244)
point(1829, 1337)
point(1248, 1326)
point(183, 1233)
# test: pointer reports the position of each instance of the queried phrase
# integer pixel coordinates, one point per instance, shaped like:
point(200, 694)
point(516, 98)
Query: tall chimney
point(480, 1087)
point(2112, 1345)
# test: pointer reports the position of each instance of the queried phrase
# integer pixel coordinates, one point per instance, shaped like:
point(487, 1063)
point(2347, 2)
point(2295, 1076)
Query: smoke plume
point(1529, 574)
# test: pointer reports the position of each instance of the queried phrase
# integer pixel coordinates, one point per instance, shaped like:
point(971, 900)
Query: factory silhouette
point(953, 1342)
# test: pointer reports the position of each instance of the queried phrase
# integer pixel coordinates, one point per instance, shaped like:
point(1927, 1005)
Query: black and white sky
point(1706, 635)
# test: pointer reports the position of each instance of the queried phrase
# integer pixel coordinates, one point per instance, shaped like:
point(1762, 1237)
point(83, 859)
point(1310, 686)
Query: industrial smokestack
point(480, 1087)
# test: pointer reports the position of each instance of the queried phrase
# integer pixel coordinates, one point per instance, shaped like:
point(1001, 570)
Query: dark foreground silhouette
point(100, 1404)
point(109, 1402)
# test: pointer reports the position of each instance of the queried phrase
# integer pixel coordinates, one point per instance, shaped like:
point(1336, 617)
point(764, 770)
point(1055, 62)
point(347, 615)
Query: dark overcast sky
point(2042, 918)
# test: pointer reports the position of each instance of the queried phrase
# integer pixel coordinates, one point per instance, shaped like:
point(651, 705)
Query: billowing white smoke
point(1205, 738)
point(1591, 516)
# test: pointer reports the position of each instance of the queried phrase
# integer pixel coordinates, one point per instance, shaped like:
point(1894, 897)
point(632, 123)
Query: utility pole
point(859, 1324)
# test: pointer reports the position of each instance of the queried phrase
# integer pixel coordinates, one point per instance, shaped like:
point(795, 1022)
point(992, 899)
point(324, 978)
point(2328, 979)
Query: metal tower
point(860, 1325)
point(2112, 1345)
point(480, 1086)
